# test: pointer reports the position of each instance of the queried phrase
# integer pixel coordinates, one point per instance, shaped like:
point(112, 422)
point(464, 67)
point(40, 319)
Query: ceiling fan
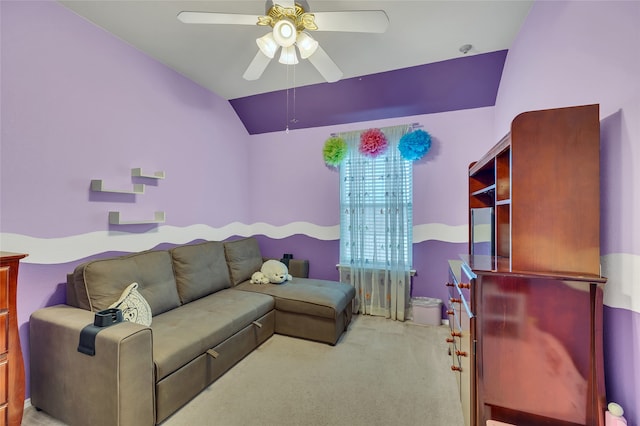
point(290, 22)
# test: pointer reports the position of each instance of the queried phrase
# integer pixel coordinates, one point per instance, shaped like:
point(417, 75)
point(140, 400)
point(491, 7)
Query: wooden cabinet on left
point(11, 363)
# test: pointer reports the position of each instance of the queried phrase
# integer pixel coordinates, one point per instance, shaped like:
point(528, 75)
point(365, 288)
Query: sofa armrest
point(114, 387)
point(299, 268)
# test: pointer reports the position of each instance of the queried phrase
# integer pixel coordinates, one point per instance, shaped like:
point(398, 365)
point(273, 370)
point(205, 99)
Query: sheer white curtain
point(376, 225)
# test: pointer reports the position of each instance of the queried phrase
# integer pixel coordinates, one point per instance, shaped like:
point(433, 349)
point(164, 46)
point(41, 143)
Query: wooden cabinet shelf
point(487, 161)
point(536, 290)
point(488, 190)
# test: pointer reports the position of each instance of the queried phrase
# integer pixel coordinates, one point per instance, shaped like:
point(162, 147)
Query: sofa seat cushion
point(306, 296)
point(184, 333)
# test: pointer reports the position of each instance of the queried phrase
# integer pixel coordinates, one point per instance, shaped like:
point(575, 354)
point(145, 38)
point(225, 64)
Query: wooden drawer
point(4, 289)
point(4, 380)
point(455, 306)
point(3, 415)
point(464, 355)
point(460, 314)
point(4, 333)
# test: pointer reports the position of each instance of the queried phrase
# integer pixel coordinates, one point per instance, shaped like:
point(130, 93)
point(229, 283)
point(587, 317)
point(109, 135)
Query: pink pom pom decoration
point(373, 143)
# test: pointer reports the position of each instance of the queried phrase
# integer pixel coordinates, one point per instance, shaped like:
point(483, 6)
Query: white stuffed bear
point(272, 271)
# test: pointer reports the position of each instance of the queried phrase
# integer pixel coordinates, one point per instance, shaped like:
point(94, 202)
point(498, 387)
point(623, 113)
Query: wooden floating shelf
point(97, 185)
point(137, 172)
point(114, 219)
point(484, 191)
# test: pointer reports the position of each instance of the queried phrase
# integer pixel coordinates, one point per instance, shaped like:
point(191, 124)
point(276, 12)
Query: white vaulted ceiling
point(216, 56)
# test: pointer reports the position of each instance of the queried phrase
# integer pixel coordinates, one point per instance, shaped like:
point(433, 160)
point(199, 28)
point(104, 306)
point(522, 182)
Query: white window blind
point(372, 178)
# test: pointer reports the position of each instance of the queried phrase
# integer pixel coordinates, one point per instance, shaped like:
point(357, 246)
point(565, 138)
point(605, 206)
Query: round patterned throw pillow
point(133, 305)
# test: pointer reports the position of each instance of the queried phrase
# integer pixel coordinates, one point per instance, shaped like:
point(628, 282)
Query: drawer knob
point(461, 353)
point(456, 368)
point(455, 300)
point(456, 334)
point(464, 285)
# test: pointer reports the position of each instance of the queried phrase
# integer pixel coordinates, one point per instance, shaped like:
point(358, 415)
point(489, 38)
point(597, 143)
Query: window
point(376, 205)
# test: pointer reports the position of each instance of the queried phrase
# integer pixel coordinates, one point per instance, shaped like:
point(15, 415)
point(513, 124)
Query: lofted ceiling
point(422, 43)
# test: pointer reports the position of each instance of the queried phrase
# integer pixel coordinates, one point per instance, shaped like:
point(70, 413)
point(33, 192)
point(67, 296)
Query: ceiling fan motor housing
point(297, 16)
point(299, 4)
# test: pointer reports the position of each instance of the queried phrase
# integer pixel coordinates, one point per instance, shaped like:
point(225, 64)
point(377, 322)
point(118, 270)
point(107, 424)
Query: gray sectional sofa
point(206, 316)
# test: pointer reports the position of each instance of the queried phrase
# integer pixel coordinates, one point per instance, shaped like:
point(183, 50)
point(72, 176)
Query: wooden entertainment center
point(525, 304)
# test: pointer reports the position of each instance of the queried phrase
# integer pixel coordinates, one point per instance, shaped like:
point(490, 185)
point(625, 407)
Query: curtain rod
point(412, 126)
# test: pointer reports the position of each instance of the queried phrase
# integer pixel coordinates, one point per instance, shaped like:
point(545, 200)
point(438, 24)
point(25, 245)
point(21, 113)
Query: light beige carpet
point(381, 372)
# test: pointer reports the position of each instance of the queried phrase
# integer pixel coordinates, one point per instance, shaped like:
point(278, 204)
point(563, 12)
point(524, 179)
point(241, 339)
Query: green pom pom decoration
point(334, 151)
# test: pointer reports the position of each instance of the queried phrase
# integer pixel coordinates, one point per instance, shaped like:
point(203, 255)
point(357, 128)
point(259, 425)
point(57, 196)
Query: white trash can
point(426, 310)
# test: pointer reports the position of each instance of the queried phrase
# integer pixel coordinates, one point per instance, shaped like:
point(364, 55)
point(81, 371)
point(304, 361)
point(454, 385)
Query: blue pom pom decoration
point(413, 146)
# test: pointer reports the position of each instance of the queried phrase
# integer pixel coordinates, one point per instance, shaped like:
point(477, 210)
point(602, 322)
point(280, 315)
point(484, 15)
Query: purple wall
point(291, 166)
point(573, 53)
point(78, 104)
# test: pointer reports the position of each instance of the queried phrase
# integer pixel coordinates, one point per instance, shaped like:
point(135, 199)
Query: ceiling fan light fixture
point(267, 45)
point(284, 32)
point(306, 44)
point(288, 56)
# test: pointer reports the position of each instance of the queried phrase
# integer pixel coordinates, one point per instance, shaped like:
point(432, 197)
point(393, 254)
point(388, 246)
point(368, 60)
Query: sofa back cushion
point(243, 258)
point(99, 283)
point(200, 269)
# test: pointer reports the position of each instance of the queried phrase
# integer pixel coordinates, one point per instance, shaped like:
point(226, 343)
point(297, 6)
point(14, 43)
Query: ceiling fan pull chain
point(294, 119)
point(286, 119)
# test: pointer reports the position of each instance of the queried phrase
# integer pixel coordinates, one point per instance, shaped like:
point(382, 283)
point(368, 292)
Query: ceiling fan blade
point(257, 66)
point(358, 21)
point(217, 18)
point(285, 3)
point(325, 65)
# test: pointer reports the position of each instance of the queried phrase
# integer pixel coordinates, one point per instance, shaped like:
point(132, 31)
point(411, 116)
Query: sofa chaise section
point(312, 309)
